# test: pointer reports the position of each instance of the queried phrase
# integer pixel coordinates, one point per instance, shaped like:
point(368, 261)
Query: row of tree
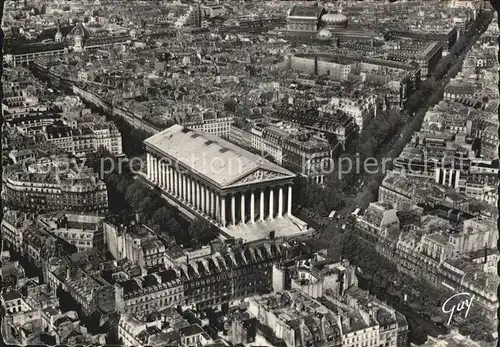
point(132, 138)
point(446, 63)
point(363, 254)
point(154, 211)
point(477, 326)
point(128, 195)
point(378, 132)
point(316, 198)
point(349, 169)
point(429, 298)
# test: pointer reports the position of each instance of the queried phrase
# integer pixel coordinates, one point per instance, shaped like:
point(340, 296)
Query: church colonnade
point(238, 205)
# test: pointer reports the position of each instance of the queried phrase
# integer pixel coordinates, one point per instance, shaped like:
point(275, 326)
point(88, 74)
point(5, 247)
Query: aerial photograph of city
point(249, 173)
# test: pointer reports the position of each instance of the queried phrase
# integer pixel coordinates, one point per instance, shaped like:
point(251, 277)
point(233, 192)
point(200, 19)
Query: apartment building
point(56, 184)
point(84, 231)
point(217, 125)
point(136, 243)
point(85, 138)
point(294, 149)
point(144, 295)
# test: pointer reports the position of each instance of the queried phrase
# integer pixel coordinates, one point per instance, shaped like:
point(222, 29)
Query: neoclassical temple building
point(245, 195)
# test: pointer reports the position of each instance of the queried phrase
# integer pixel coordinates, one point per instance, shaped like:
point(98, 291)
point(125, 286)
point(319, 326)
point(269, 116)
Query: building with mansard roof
point(211, 277)
point(304, 18)
point(79, 38)
point(44, 186)
point(232, 274)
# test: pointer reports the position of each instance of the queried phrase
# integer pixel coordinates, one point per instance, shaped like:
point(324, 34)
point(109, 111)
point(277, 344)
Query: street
point(403, 136)
point(331, 235)
point(414, 319)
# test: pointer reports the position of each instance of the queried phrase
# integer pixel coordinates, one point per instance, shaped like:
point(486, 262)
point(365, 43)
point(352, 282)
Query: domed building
point(325, 34)
point(78, 30)
point(333, 21)
point(77, 36)
point(58, 41)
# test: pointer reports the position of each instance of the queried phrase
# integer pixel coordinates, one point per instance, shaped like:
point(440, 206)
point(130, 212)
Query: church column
point(162, 175)
point(171, 179)
point(158, 165)
point(179, 185)
point(223, 210)
point(193, 193)
point(148, 164)
point(233, 209)
point(184, 187)
point(153, 168)
point(158, 175)
point(271, 203)
point(198, 196)
point(242, 208)
point(262, 198)
point(209, 202)
point(202, 192)
point(280, 202)
point(156, 171)
point(213, 205)
point(188, 185)
point(161, 183)
point(252, 207)
point(176, 187)
point(167, 177)
point(168, 183)
point(289, 202)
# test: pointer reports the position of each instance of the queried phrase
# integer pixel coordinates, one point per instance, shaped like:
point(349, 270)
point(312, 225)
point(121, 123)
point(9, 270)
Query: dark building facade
point(234, 274)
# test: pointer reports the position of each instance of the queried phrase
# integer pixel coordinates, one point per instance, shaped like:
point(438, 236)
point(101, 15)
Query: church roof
point(79, 29)
point(325, 33)
point(333, 18)
point(214, 158)
point(50, 33)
